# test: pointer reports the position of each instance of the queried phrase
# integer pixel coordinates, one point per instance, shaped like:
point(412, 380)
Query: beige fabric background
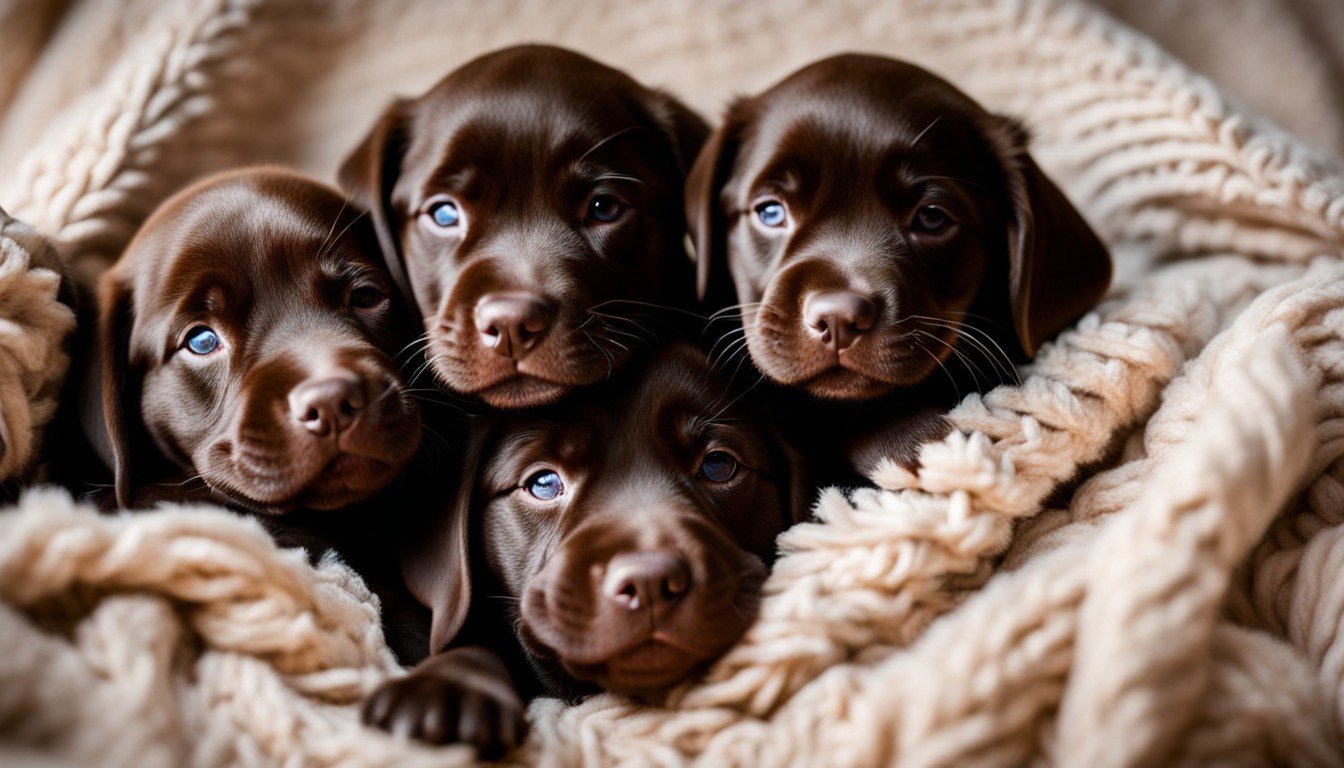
point(341, 61)
point(1132, 558)
point(1284, 58)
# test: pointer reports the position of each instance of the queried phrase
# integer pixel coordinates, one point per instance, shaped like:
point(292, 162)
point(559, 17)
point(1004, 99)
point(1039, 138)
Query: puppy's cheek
point(517, 543)
point(181, 411)
point(640, 247)
point(953, 274)
point(753, 517)
point(778, 347)
point(429, 270)
point(390, 430)
point(750, 261)
point(401, 431)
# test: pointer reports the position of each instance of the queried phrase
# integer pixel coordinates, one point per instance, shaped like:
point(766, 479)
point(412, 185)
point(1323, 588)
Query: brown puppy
point(244, 338)
point(527, 204)
point(876, 225)
point(623, 534)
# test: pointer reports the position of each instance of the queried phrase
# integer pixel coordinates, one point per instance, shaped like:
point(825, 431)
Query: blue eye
point(545, 485)
point(718, 467)
point(772, 213)
point(202, 340)
point(605, 208)
point(445, 214)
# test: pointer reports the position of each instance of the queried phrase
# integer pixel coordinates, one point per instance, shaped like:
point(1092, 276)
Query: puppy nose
point(327, 404)
point(639, 580)
point(512, 323)
point(838, 318)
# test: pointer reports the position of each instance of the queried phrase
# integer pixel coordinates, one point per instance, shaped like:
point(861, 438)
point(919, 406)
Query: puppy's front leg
point(463, 695)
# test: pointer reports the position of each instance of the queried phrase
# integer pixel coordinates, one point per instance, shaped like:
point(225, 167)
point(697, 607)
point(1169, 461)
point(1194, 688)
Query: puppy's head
point(633, 524)
point(529, 203)
point(874, 221)
point(244, 337)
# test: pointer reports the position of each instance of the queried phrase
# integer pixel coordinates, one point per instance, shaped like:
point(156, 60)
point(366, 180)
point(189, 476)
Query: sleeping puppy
point(243, 341)
point(882, 234)
point(529, 204)
point(617, 540)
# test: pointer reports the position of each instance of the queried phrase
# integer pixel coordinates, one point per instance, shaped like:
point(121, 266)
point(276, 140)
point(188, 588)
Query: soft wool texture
point(1136, 557)
point(35, 327)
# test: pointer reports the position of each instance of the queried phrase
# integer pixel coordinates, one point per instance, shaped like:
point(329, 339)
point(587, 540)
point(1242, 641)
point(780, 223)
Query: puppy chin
point(844, 384)
point(345, 480)
point(520, 391)
point(498, 383)
point(644, 672)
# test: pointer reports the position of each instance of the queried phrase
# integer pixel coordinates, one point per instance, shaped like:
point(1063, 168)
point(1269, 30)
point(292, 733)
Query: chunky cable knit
point(35, 326)
point(1133, 558)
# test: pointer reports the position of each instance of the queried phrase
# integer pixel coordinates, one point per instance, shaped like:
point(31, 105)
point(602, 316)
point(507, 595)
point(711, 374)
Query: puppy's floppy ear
point(437, 567)
point(705, 217)
point(368, 176)
point(685, 129)
point(1058, 267)
point(800, 491)
point(110, 405)
point(797, 478)
point(684, 132)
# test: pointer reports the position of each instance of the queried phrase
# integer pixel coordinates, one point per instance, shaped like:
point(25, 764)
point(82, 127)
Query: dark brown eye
point(605, 209)
point(931, 219)
point(366, 297)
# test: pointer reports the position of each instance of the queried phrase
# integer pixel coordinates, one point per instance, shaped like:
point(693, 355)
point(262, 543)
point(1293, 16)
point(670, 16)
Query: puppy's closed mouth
point(347, 479)
point(632, 658)
point(843, 383)
point(902, 361)
point(508, 384)
point(344, 478)
point(522, 391)
point(651, 665)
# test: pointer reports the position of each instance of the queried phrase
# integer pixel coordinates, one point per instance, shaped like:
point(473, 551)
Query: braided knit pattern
point(34, 329)
point(185, 100)
point(1132, 558)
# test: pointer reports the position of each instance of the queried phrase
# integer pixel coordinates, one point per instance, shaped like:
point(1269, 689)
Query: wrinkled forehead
point(679, 383)
point(679, 398)
point(863, 122)
point(240, 235)
point(544, 122)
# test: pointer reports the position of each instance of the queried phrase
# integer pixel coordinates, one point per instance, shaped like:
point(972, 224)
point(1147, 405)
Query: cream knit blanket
point(1134, 558)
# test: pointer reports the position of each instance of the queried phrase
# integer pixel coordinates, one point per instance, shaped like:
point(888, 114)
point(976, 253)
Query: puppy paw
point(461, 700)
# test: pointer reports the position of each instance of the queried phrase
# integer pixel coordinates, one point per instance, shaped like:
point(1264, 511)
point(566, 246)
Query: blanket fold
point(1132, 558)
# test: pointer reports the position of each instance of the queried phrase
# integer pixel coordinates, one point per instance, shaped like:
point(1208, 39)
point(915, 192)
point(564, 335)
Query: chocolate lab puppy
point(243, 346)
point(529, 204)
point(884, 236)
point(617, 540)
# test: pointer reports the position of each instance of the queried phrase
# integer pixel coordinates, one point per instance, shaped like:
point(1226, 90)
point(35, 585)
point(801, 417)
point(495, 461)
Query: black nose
point(328, 403)
point(647, 579)
point(512, 323)
point(838, 318)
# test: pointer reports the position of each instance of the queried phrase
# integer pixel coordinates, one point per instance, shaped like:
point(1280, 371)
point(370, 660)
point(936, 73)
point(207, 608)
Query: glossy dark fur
point(301, 406)
point(530, 295)
point(922, 252)
point(643, 570)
